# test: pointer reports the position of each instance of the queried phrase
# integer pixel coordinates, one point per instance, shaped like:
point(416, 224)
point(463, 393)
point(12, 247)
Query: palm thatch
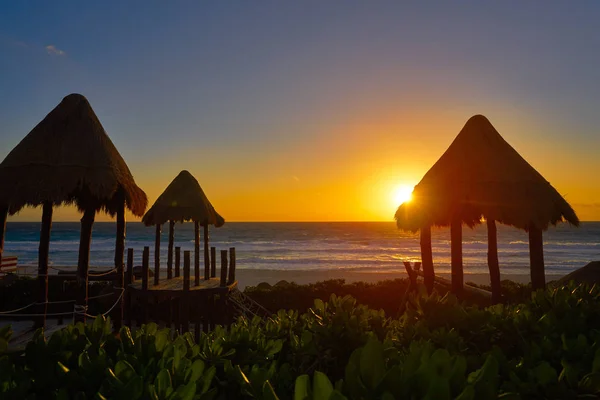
point(183, 200)
point(68, 158)
point(480, 174)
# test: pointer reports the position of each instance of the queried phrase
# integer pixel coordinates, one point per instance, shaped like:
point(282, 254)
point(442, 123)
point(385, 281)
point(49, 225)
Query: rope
point(18, 309)
point(103, 273)
point(116, 302)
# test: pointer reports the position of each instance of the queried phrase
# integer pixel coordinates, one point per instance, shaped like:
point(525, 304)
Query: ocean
point(366, 246)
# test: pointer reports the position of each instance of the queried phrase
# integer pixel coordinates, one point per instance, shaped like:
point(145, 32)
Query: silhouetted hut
point(183, 200)
point(69, 159)
point(481, 175)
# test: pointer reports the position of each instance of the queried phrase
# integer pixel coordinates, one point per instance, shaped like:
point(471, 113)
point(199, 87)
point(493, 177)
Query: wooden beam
point(3, 217)
point(119, 261)
point(170, 250)
point(157, 255)
point(223, 268)
point(456, 256)
point(83, 264)
point(43, 253)
point(206, 254)
point(177, 261)
point(231, 277)
point(213, 262)
point(536, 257)
point(493, 264)
point(427, 258)
point(196, 253)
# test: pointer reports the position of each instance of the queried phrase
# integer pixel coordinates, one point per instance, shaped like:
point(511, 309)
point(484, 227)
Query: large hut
point(69, 159)
point(183, 200)
point(481, 176)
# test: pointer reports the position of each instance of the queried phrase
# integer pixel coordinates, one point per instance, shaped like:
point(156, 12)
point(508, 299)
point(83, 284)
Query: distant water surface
point(371, 246)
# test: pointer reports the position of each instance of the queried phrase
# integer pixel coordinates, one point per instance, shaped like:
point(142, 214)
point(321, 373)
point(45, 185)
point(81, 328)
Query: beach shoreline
point(252, 277)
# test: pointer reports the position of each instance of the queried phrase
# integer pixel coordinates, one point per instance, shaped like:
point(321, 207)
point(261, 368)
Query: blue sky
point(309, 104)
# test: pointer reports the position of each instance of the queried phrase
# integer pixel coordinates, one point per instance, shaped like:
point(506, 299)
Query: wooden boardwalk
point(176, 284)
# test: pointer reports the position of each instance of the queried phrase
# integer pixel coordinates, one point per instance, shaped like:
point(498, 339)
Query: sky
point(310, 110)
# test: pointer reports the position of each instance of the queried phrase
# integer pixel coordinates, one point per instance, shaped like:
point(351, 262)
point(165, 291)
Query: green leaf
point(468, 393)
point(195, 371)
point(596, 363)
point(186, 392)
point(302, 388)
point(124, 371)
point(372, 365)
point(163, 383)
point(545, 374)
point(132, 390)
point(319, 305)
point(322, 387)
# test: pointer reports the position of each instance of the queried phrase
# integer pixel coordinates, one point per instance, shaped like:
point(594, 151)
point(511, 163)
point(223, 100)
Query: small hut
point(481, 175)
point(183, 200)
point(69, 159)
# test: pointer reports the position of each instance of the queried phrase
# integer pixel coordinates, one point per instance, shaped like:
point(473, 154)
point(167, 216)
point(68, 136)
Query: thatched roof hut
point(183, 200)
point(69, 159)
point(481, 175)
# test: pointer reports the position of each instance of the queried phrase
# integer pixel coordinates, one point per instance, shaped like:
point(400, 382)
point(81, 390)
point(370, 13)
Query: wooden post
point(170, 250)
point(231, 277)
point(185, 315)
point(196, 253)
point(536, 257)
point(3, 217)
point(456, 256)
point(177, 261)
point(145, 267)
point(427, 258)
point(83, 264)
point(157, 255)
point(119, 262)
point(493, 264)
point(128, 281)
point(213, 262)
point(44, 249)
point(145, 277)
point(223, 267)
point(186, 270)
point(206, 255)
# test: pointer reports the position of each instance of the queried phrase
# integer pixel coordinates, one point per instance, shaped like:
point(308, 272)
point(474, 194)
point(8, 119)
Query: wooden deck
point(174, 286)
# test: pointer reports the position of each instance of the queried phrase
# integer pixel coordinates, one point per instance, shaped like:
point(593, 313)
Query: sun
point(402, 194)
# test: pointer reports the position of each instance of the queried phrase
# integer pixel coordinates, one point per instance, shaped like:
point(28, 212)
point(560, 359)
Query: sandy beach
point(252, 277)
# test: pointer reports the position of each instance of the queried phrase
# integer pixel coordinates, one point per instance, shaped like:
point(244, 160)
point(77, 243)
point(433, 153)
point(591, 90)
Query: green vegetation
point(546, 348)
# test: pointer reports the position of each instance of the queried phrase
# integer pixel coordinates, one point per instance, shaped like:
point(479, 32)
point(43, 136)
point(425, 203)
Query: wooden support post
point(231, 277)
point(196, 253)
point(456, 256)
point(427, 258)
point(145, 277)
point(119, 262)
point(493, 264)
point(3, 217)
point(157, 255)
point(177, 261)
point(170, 250)
point(186, 270)
point(185, 315)
point(206, 255)
point(83, 265)
point(536, 257)
point(223, 267)
point(44, 250)
point(128, 281)
point(213, 262)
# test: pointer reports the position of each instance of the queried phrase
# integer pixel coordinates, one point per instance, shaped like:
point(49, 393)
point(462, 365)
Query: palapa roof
point(183, 200)
point(68, 158)
point(480, 174)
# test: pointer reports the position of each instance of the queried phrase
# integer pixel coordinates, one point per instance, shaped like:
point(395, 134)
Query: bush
point(547, 347)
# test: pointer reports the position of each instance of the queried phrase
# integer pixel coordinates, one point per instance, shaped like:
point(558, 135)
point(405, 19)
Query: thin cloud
point(52, 49)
